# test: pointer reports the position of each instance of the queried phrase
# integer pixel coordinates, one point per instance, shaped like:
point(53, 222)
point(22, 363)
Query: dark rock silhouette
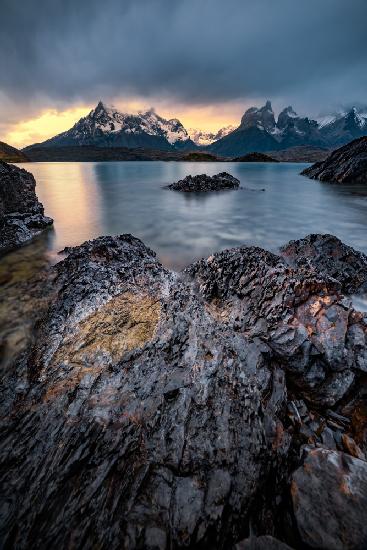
point(345, 165)
point(202, 182)
point(255, 157)
point(21, 213)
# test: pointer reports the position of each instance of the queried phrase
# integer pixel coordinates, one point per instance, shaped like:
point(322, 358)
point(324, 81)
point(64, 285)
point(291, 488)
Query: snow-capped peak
point(109, 120)
point(358, 115)
point(202, 138)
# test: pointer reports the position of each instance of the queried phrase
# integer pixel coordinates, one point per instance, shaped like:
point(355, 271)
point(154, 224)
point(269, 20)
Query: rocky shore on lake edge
point(152, 409)
point(21, 214)
point(345, 165)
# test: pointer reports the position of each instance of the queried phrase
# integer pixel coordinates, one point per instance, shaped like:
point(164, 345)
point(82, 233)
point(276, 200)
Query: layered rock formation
point(164, 410)
point(202, 182)
point(21, 214)
point(345, 165)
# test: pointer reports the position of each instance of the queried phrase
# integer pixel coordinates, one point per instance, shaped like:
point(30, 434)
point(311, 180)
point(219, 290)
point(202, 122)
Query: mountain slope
point(107, 127)
point(344, 127)
point(259, 131)
point(243, 141)
point(11, 154)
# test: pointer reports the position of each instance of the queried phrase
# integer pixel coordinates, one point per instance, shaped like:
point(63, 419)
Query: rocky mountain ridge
point(259, 130)
point(105, 126)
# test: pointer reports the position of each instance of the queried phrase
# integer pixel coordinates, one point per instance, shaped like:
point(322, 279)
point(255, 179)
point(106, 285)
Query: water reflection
point(71, 196)
point(90, 199)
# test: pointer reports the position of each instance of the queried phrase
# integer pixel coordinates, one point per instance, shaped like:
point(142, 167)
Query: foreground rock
point(345, 165)
point(327, 255)
point(255, 157)
point(202, 182)
point(156, 410)
point(329, 493)
point(21, 214)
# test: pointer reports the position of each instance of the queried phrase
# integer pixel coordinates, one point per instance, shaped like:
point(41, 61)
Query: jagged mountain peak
point(290, 111)
point(106, 126)
point(268, 106)
point(261, 118)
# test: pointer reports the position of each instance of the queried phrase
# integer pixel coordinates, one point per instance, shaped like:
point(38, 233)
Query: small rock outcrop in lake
point(202, 182)
point(21, 214)
point(345, 165)
point(164, 410)
point(255, 157)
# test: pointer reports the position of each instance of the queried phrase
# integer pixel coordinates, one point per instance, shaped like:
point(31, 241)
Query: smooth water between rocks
point(108, 198)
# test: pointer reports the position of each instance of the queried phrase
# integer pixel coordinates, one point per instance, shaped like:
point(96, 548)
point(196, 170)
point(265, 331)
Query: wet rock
point(345, 165)
point(327, 255)
point(154, 408)
point(329, 494)
point(21, 214)
point(202, 182)
point(265, 542)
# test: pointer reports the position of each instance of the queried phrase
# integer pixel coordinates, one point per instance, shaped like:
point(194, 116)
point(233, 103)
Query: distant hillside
point(85, 153)
point(255, 157)
point(11, 154)
point(302, 153)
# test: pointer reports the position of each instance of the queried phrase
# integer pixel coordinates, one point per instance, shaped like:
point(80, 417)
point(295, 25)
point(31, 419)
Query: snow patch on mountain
point(206, 138)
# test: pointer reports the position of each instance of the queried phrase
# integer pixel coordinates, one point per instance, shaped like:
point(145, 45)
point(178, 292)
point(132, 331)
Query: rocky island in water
point(202, 182)
point(220, 407)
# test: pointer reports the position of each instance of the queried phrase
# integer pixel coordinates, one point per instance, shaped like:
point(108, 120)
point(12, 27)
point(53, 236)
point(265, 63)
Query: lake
point(108, 198)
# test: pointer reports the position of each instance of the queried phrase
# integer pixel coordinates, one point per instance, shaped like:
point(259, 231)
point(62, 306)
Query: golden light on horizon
point(48, 124)
point(52, 121)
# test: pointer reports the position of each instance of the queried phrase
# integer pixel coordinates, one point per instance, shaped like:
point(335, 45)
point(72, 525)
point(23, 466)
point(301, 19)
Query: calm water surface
point(91, 199)
point(108, 198)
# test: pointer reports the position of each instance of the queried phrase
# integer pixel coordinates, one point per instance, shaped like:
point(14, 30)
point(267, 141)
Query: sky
point(202, 61)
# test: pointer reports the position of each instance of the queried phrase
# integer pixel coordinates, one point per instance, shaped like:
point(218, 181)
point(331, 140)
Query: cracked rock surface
point(160, 410)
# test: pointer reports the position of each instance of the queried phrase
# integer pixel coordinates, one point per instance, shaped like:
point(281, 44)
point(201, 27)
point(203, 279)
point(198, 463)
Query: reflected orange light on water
point(76, 212)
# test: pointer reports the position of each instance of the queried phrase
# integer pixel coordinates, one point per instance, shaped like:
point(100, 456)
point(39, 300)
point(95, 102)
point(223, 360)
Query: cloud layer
point(309, 52)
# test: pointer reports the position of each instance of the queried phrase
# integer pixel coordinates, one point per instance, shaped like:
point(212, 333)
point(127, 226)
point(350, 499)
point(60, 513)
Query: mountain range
point(259, 130)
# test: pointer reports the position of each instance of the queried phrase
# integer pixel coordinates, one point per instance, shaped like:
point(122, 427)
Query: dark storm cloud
point(191, 50)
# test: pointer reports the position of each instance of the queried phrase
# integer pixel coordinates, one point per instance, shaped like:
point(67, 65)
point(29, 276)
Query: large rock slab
point(202, 182)
point(345, 165)
point(151, 407)
point(329, 494)
point(21, 214)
